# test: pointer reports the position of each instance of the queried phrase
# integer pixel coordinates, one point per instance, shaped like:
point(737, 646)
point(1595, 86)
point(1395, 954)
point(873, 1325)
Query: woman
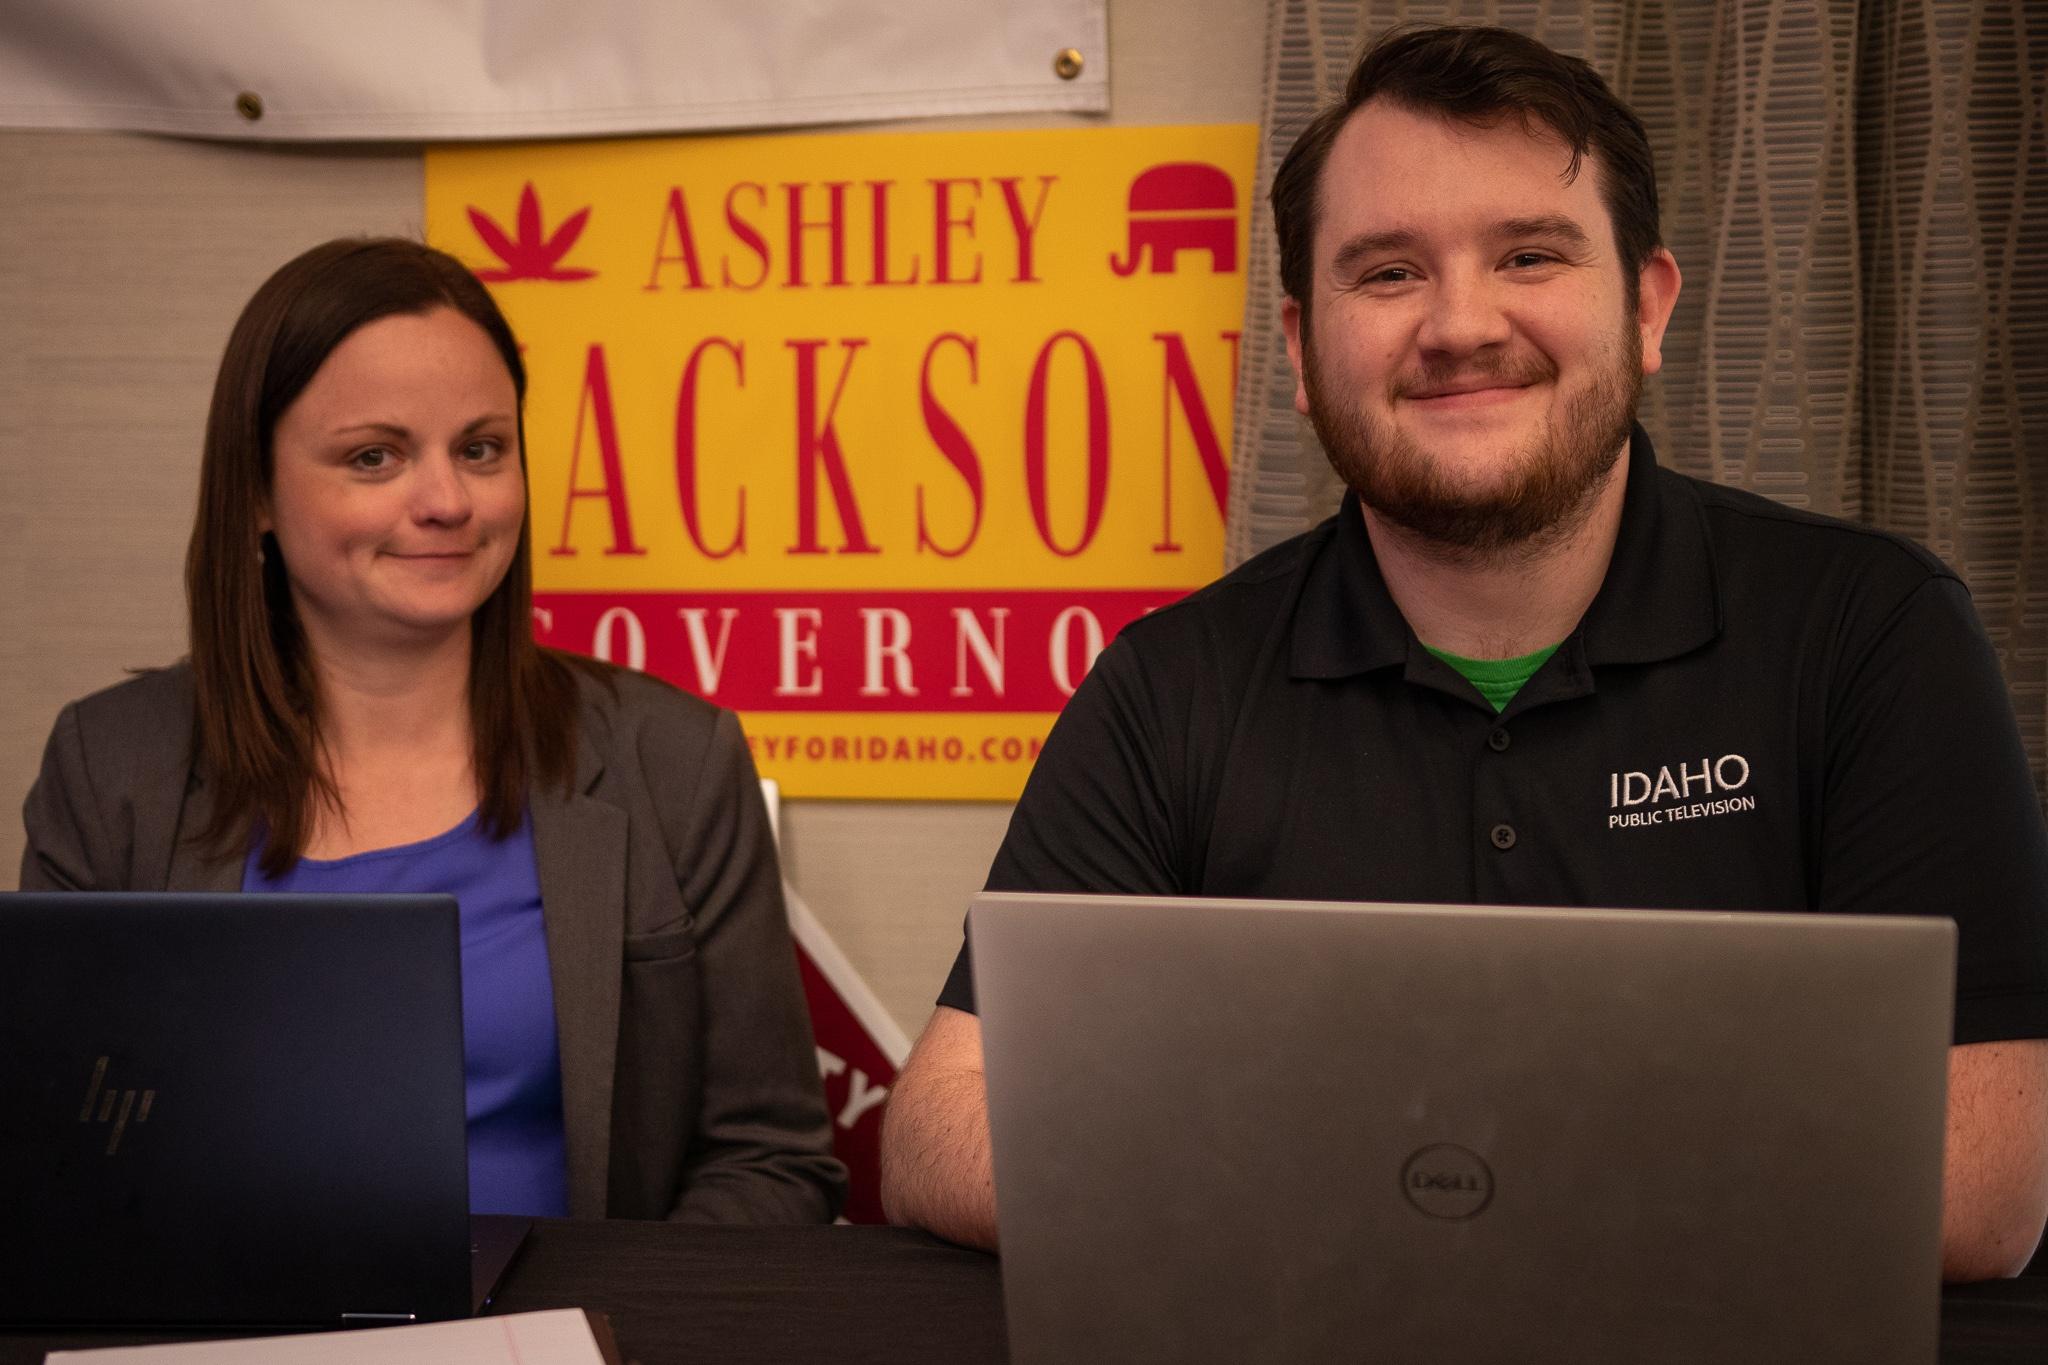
point(365, 709)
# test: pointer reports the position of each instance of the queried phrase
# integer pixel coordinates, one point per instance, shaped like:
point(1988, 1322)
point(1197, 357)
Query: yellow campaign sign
point(874, 438)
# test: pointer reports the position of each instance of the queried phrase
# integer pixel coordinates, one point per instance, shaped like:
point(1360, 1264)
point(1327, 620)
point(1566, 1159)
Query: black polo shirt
point(1762, 709)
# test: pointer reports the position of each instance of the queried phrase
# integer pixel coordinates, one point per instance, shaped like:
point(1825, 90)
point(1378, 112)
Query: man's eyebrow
point(1366, 244)
point(1552, 226)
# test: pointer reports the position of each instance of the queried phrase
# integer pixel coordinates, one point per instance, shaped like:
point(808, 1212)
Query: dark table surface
point(773, 1296)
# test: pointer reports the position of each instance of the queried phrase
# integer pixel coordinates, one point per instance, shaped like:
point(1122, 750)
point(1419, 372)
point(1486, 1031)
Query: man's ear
point(1656, 295)
point(1290, 323)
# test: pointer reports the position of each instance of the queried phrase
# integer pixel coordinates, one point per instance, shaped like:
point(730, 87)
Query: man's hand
point(936, 1170)
point(1995, 1175)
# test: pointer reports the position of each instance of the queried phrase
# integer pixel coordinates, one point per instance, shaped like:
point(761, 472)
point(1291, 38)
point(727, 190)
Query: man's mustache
point(1473, 372)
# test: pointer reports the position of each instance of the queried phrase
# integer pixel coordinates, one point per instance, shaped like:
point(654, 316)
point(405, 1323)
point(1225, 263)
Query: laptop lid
point(1240, 1131)
point(235, 1110)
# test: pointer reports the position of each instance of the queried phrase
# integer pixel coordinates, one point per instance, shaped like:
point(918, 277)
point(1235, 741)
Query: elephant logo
point(1181, 206)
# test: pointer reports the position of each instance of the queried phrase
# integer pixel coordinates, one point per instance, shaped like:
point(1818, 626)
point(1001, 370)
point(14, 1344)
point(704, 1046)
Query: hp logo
point(119, 1107)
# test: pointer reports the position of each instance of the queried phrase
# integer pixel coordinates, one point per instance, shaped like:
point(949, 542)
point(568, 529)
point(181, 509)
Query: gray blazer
point(689, 1078)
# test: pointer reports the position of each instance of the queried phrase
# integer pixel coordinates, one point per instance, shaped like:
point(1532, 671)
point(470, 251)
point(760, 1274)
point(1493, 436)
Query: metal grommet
point(1067, 64)
point(249, 105)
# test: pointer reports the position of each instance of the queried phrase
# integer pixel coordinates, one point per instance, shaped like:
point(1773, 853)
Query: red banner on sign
point(857, 1075)
point(852, 651)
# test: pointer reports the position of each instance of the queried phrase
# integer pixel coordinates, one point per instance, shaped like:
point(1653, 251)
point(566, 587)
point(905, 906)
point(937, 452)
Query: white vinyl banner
point(439, 70)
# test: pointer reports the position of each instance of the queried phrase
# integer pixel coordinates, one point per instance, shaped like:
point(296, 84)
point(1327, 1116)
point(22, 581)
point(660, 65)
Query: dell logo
point(1447, 1181)
point(116, 1106)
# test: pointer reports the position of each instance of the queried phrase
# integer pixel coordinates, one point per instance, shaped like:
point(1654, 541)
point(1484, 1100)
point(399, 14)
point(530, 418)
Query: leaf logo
point(533, 254)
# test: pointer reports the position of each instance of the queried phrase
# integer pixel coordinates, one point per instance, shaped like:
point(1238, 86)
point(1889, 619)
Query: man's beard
point(1547, 492)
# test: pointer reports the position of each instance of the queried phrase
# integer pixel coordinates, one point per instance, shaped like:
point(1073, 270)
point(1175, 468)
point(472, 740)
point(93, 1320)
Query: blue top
point(517, 1160)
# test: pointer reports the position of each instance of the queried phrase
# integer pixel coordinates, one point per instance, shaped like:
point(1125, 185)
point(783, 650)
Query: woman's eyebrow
point(396, 429)
point(488, 419)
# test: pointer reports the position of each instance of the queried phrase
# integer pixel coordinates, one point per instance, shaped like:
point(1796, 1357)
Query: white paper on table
point(560, 1336)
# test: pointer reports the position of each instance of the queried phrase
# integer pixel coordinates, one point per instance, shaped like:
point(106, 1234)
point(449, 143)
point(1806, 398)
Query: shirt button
point(1498, 740)
point(1503, 837)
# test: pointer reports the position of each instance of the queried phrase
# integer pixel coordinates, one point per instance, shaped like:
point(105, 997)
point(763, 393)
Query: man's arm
point(1995, 1172)
point(1105, 810)
point(1929, 809)
point(936, 1169)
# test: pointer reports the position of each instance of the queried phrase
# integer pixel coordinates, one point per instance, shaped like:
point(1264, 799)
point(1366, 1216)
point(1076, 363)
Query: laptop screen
point(231, 1109)
point(1264, 1131)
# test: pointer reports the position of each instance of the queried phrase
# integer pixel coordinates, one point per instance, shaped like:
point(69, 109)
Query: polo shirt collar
point(1346, 621)
point(1660, 599)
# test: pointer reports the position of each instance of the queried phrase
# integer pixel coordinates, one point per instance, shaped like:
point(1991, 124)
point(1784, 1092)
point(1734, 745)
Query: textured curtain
point(1858, 196)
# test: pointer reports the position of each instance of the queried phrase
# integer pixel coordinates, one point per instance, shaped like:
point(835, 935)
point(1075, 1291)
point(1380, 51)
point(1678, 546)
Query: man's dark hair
point(1478, 76)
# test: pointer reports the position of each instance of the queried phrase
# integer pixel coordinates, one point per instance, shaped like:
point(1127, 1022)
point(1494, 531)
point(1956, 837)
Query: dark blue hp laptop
point(232, 1110)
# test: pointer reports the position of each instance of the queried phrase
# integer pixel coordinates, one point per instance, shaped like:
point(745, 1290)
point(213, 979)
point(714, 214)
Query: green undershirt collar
point(1496, 679)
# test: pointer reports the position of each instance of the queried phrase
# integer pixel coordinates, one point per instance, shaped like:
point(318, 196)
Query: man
point(1520, 647)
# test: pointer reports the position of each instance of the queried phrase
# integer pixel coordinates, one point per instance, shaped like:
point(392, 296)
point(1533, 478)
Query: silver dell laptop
point(227, 1110)
point(1244, 1132)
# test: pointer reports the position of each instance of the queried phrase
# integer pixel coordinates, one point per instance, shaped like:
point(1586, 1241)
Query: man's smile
point(1467, 397)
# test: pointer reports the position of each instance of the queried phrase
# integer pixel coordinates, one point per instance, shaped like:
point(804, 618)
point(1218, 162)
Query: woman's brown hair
point(258, 714)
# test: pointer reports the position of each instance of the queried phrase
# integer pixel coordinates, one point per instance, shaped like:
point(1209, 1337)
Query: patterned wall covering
point(1858, 196)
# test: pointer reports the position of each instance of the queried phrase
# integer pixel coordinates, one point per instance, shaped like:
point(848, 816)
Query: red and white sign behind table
point(875, 439)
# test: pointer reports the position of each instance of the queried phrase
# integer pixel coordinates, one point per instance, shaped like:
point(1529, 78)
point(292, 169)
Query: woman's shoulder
point(129, 746)
point(153, 709)
point(618, 707)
